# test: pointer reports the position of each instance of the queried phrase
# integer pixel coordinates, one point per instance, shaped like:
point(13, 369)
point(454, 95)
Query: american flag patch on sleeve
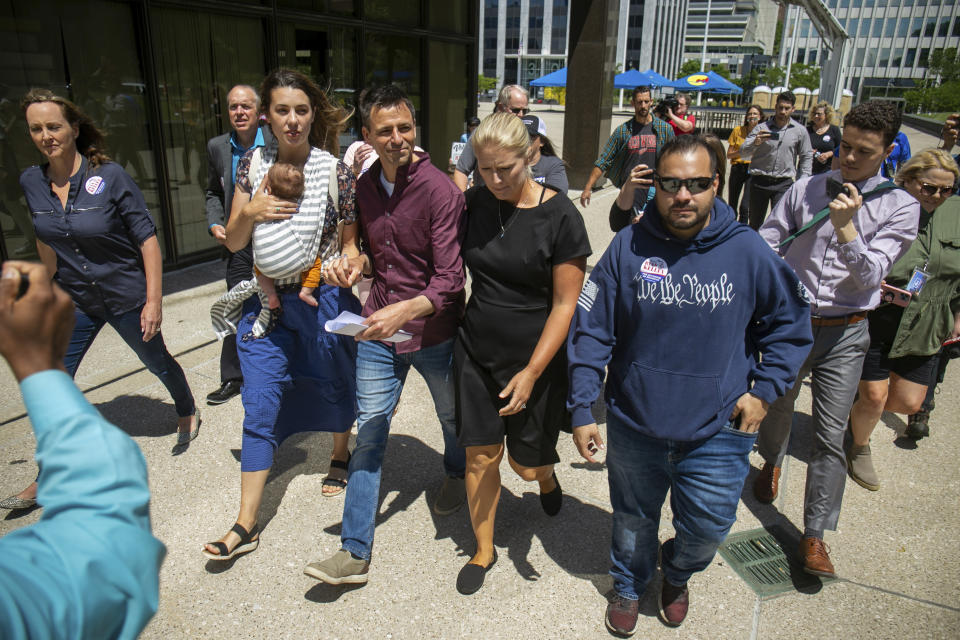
point(588, 294)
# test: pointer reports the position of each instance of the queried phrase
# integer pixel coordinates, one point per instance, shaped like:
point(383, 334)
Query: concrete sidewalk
point(895, 551)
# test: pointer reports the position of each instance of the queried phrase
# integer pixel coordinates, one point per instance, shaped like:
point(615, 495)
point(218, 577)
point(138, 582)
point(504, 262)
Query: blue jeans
point(381, 372)
point(152, 354)
point(705, 478)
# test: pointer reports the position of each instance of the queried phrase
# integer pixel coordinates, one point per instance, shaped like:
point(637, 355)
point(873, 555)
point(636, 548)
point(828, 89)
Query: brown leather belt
point(835, 321)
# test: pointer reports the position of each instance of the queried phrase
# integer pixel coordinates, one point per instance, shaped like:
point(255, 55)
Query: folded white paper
point(350, 324)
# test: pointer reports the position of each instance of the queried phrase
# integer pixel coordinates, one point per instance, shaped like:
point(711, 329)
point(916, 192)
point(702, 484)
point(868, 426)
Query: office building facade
point(890, 42)
point(154, 76)
point(738, 32)
point(522, 40)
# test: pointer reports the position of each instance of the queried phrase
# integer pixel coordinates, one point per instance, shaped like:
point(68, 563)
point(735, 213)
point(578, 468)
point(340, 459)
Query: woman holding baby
point(297, 377)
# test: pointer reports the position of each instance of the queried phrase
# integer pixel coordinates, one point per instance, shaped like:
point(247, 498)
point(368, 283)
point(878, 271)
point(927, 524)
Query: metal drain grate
point(758, 557)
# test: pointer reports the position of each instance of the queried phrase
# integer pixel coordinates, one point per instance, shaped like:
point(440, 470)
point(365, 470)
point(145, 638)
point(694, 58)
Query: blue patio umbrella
point(633, 78)
point(708, 81)
point(556, 79)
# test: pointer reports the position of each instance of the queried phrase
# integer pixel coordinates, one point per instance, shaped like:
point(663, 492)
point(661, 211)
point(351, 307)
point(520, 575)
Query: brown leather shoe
point(816, 558)
point(767, 484)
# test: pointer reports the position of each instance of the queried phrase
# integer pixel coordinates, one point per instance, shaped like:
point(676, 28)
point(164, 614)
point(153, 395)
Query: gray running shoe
point(340, 568)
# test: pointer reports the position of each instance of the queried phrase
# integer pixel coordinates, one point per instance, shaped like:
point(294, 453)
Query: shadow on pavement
point(140, 416)
point(577, 540)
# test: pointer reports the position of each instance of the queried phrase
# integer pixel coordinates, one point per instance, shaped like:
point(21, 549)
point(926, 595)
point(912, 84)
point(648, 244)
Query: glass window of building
point(916, 27)
point(535, 26)
point(877, 27)
point(929, 27)
point(858, 60)
point(340, 7)
point(512, 32)
point(871, 57)
point(865, 28)
point(852, 26)
point(451, 16)
point(395, 59)
point(325, 54)
point(558, 30)
point(904, 27)
point(202, 55)
point(944, 27)
point(956, 28)
point(394, 11)
point(911, 56)
point(812, 57)
point(61, 46)
point(884, 58)
point(447, 109)
point(891, 27)
point(924, 57)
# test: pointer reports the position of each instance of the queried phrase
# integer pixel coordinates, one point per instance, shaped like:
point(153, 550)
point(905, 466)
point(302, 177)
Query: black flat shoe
point(470, 578)
point(226, 391)
point(552, 500)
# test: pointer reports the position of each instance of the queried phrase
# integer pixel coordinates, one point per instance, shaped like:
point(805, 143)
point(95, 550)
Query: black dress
point(510, 300)
point(829, 141)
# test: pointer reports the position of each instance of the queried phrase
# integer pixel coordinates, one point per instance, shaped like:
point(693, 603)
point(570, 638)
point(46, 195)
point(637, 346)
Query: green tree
point(774, 76)
point(689, 67)
point(749, 81)
point(485, 84)
point(944, 63)
point(805, 75)
point(722, 70)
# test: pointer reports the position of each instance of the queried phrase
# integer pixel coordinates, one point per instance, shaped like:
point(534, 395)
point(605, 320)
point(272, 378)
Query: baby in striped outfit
point(286, 182)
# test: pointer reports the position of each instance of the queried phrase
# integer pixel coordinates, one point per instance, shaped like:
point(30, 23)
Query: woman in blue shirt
point(95, 233)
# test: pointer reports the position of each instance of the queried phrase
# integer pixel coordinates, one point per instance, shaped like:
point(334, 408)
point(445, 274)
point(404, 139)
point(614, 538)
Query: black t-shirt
point(512, 271)
point(642, 147)
point(829, 141)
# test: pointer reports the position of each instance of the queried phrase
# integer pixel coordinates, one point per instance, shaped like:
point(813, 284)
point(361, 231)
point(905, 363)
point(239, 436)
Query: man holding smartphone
point(840, 231)
point(779, 152)
point(680, 417)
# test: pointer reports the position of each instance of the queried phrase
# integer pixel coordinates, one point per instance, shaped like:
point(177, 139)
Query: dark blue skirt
point(298, 377)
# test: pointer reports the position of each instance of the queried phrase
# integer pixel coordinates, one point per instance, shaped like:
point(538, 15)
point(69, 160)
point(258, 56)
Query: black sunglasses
point(932, 190)
point(520, 111)
point(693, 185)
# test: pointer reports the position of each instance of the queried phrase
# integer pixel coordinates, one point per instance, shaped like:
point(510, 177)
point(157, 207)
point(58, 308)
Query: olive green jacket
point(929, 318)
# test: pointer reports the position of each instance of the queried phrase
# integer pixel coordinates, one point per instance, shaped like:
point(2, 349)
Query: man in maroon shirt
point(412, 226)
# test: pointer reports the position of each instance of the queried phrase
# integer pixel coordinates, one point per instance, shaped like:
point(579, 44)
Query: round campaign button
point(95, 185)
point(653, 269)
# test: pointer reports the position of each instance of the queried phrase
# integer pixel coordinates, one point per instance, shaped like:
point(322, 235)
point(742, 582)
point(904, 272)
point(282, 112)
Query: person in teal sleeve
point(89, 568)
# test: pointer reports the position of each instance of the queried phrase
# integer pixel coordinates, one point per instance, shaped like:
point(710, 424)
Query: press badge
point(917, 280)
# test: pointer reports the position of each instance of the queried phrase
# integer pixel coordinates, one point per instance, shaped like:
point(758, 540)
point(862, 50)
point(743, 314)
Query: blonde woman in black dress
point(526, 249)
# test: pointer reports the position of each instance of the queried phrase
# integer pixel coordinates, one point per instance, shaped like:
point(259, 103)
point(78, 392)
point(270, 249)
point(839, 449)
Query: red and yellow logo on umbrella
point(698, 80)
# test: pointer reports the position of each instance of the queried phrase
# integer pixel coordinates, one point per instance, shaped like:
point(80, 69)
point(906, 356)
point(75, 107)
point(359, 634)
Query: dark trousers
point(939, 371)
point(738, 181)
point(239, 268)
point(764, 192)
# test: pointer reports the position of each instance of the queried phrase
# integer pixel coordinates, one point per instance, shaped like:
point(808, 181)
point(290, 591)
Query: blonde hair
point(924, 161)
point(503, 131)
point(828, 111)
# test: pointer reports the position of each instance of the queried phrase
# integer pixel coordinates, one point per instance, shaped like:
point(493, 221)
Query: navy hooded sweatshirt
point(683, 325)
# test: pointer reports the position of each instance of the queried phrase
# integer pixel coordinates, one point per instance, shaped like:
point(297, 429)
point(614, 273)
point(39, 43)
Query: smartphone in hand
point(835, 188)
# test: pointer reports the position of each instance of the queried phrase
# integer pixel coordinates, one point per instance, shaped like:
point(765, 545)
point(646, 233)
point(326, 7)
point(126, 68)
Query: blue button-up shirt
point(237, 150)
point(96, 237)
point(88, 568)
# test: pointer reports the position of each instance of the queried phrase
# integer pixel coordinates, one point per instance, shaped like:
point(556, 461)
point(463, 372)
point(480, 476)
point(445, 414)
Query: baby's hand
point(306, 294)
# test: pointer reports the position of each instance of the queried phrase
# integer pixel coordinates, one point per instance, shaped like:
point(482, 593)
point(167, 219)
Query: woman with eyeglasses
point(919, 312)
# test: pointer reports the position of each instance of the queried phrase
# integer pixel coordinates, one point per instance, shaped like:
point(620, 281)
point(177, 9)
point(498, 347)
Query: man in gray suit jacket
point(223, 154)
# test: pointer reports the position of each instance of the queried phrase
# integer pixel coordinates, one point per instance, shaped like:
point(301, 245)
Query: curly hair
point(875, 115)
point(329, 120)
point(924, 161)
point(827, 111)
point(90, 139)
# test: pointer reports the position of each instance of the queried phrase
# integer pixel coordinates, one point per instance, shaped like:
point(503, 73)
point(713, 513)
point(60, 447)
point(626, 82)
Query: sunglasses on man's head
point(520, 111)
point(933, 190)
point(693, 185)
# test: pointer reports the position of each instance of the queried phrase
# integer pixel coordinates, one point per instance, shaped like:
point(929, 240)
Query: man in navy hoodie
point(680, 309)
